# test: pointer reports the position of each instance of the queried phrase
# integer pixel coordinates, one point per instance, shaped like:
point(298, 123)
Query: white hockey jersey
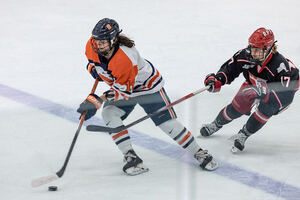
point(128, 74)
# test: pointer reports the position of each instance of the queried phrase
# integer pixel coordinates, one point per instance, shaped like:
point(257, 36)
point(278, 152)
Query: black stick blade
point(97, 128)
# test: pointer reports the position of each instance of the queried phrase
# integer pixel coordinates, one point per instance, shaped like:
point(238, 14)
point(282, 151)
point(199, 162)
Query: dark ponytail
point(125, 41)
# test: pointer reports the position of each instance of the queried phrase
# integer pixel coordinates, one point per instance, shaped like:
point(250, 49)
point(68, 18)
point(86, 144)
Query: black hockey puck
point(52, 188)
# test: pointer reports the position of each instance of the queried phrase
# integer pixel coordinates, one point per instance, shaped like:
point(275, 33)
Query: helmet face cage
point(106, 29)
point(263, 39)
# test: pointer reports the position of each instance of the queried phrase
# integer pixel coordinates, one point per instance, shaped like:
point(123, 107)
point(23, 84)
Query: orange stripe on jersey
point(90, 51)
point(116, 95)
point(153, 79)
point(167, 103)
point(107, 80)
point(185, 138)
point(92, 55)
point(90, 67)
point(126, 97)
point(123, 70)
point(119, 134)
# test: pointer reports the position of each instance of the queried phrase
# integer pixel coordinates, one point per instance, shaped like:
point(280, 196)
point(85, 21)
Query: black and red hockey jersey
point(277, 72)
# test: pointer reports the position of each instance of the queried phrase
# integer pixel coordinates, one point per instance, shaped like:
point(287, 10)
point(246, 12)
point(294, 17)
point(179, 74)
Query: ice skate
point(133, 164)
point(208, 129)
point(239, 141)
point(206, 160)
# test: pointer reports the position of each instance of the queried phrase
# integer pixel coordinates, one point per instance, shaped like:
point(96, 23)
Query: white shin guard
point(112, 118)
point(180, 134)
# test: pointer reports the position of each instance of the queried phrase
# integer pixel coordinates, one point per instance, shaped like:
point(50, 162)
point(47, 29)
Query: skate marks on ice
point(251, 179)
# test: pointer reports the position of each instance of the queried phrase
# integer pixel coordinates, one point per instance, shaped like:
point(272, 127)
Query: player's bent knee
point(171, 127)
point(244, 100)
point(111, 112)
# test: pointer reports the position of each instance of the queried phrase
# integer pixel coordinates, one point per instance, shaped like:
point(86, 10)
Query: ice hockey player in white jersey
point(113, 59)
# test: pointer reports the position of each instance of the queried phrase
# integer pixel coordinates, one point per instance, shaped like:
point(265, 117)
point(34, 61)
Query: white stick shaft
point(201, 90)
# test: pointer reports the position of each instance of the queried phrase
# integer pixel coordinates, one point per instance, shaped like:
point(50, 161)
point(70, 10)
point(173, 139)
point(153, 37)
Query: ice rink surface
point(43, 79)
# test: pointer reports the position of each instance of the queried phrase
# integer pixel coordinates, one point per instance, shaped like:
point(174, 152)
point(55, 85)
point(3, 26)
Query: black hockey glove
point(215, 84)
point(262, 91)
point(109, 95)
point(90, 105)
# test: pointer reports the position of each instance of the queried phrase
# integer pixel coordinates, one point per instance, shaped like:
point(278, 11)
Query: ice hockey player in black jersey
point(271, 83)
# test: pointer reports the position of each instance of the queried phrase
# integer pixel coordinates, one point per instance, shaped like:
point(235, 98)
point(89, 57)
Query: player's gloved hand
point(109, 95)
point(262, 91)
point(215, 84)
point(92, 69)
point(90, 105)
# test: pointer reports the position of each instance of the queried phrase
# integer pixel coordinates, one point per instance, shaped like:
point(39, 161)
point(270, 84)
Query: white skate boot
point(206, 161)
point(133, 164)
point(208, 129)
point(239, 141)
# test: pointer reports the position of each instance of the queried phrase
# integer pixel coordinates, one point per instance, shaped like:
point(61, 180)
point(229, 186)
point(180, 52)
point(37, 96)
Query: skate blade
point(234, 149)
point(136, 170)
point(212, 165)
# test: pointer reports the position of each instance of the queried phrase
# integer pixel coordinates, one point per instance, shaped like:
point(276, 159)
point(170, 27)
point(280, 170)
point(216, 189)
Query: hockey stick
point(121, 128)
point(47, 179)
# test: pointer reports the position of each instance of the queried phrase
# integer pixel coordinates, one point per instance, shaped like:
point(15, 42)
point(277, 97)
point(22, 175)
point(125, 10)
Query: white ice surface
point(42, 54)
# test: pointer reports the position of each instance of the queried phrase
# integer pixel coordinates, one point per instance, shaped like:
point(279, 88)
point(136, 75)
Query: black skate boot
point(133, 164)
point(206, 161)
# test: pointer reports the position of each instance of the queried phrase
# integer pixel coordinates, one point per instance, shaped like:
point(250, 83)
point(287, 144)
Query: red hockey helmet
point(261, 38)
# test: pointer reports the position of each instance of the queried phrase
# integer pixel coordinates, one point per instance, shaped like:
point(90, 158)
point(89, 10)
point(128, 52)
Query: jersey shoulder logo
point(247, 66)
point(282, 67)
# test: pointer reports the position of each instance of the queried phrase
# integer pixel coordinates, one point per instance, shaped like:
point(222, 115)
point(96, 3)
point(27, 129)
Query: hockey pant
point(246, 98)
point(114, 113)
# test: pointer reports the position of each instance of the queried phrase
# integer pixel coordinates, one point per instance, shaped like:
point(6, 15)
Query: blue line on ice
point(232, 172)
